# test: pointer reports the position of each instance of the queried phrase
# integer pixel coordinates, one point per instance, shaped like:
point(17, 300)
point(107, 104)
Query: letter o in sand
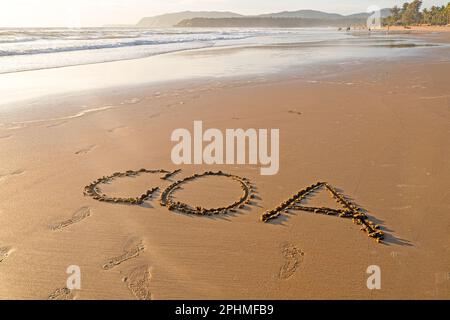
point(168, 201)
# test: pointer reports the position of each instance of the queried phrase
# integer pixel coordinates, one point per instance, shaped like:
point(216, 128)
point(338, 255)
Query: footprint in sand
point(295, 112)
point(138, 281)
point(131, 250)
point(78, 216)
point(85, 150)
point(61, 294)
point(155, 115)
point(292, 259)
point(4, 253)
point(112, 130)
point(131, 101)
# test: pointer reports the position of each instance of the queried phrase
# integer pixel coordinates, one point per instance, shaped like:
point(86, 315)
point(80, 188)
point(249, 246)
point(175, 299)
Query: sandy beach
point(375, 129)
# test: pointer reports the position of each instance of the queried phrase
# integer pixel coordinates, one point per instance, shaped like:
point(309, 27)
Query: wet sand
point(377, 131)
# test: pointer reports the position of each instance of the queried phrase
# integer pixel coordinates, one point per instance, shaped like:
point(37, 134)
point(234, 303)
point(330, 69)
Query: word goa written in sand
point(231, 149)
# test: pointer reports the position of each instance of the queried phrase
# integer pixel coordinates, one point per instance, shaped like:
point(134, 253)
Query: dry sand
point(379, 132)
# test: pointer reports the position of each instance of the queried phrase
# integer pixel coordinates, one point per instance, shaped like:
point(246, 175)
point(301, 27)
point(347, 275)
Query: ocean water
point(32, 49)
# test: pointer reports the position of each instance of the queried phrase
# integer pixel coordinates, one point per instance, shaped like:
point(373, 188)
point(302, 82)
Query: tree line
point(410, 14)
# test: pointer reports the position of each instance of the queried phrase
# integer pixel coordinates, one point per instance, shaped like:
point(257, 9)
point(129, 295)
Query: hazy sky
point(75, 13)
